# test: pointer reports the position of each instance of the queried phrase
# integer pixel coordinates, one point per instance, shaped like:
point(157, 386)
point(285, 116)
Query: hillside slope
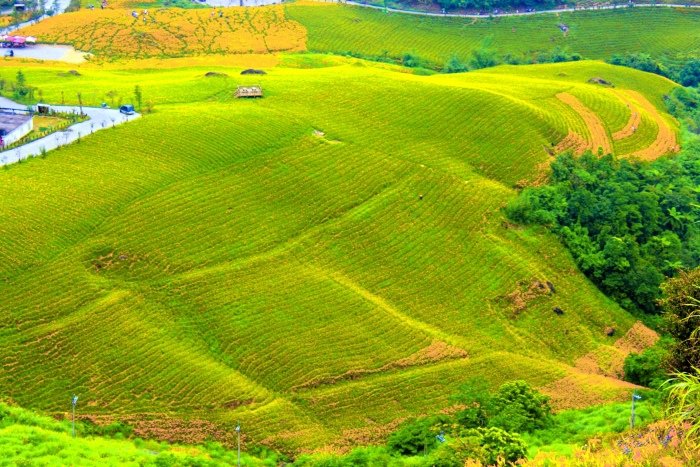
point(320, 264)
point(594, 34)
point(342, 29)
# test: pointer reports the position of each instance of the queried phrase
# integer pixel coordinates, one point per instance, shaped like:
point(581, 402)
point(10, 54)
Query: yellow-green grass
point(28, 438)
point(291, 261)
point(595, 34)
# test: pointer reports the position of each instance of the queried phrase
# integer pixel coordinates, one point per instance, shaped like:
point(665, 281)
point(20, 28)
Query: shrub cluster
point(628, 225)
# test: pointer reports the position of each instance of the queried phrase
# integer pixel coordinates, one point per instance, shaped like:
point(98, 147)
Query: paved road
point(99, 119)
point(61, 53)
point(524, 13)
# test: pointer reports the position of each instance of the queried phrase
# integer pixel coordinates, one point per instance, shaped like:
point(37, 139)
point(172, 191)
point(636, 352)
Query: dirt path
point(666, 141)
point(598, 134)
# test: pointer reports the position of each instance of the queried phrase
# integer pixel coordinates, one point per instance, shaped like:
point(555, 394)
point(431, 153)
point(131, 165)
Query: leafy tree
point(647, 367)
point(628, 225)
point(410, 60)
point(514, 407)
point(681, 304)
point(455, 65)
point(21, 79)
point(483, 58)
point(416, 436)
point(138, 95)
point(490, 446)
point(640, 61)
point(518, 408)
point(690, 73)
point(474, 396)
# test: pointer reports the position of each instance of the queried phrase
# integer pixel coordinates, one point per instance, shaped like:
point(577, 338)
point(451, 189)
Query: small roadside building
point(14, 126)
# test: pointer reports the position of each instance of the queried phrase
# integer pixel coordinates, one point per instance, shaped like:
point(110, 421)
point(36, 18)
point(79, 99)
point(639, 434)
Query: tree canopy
point(628, 225)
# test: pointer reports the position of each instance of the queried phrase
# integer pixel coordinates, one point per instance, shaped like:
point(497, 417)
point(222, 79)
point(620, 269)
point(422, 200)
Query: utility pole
point(238, 431)
point(635, 397)
point(74, 402)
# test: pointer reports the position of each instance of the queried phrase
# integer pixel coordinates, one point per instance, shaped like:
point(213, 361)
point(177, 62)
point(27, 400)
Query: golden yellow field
point(173, 32)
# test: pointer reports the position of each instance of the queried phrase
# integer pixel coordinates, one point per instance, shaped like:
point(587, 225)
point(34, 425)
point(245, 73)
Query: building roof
point(10, 122)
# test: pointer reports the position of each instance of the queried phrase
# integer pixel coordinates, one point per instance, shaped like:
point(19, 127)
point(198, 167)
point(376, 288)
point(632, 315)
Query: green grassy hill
point(320, 264)
point(594, 34)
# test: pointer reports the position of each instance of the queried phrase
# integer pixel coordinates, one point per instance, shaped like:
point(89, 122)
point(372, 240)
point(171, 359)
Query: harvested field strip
point(573, 142)
point(577, 390)
point(609, 361)
point(633, 122)
point(598, 133)
point(666, 141)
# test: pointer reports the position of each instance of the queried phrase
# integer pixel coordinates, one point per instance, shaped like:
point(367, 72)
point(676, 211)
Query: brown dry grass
point(609, 361)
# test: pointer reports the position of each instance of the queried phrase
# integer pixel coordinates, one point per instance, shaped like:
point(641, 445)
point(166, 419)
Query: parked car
point(127, 109)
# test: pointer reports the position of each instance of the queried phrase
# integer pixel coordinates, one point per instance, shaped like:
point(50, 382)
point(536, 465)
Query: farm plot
point(173, 32)
point(597, 136)
point(318, 264)
point(595, 35)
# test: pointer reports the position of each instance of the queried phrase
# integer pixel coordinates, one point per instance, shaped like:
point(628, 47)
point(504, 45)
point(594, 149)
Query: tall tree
point(681, 304)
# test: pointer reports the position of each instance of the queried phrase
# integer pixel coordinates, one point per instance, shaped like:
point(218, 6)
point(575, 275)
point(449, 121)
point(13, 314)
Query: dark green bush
point(416, 436)
point(648, 368)
point(487, 445)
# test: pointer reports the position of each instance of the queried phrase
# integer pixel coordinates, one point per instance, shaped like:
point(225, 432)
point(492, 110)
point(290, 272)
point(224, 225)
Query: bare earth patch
point(609, 361)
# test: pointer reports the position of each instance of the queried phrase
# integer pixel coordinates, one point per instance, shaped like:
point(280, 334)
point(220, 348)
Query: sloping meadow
point(320, 263)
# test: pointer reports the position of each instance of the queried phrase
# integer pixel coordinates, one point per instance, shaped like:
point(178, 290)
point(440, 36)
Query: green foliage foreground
point(27, 438)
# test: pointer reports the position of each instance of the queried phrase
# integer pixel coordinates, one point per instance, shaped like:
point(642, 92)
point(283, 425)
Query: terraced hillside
point(594, 34)
point(319, 264)
point(114, 33)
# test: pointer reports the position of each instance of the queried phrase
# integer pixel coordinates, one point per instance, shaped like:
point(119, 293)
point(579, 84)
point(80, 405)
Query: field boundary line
point(387, 307)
